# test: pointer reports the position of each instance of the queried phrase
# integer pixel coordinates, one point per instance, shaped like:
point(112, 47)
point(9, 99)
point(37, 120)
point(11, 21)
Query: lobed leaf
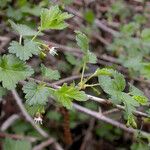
point(66, 94)
point(13, 70)
point(24, 52)
point(49, 73)
point(53, 18)
point(22, 29)
point(36, 94)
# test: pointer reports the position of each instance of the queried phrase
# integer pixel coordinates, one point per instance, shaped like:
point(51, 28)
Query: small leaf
point(91, 57)
point(71, 59)
point(53, 18)
point(103, 71)
point(26, 51)
point(49, 73)
point(13, 70)
point(141, 99)
point(23, 30)
point(82, 41)
point(131, 121)
point(36, 94)
point(66, 94)
point(34, 109)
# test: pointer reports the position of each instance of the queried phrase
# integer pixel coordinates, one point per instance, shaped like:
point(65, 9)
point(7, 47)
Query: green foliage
point(22, 29)
point(71, 59)
point(139, 146)
point(114, 86)
point(36, 94)
point(54, 115)
point(83, 43)
point(53, 18)
point(108, 132)
point(49, 73)
point(10, 144)
point(133, 49)
point(24, 52)
point(13, 70)
point(4, 3)
point(66, 94)
point(89, 16)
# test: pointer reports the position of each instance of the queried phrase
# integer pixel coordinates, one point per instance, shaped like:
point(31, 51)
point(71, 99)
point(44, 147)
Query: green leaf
point(110, 85)
point(131, 121)
point(145, 35)
point(10, 144)
point(103, 71)
point(66, 94)
point(138, 95)
point(49, 73)
point(71, 59)
point(13, 70)
point(91, 57)
point(145, 70)
point(89, 16)
point(24, 52)
point(34, 109)
point(53, 18)
point(23, 30)
point(36, 94)
point(140, 99)
point(82, 41)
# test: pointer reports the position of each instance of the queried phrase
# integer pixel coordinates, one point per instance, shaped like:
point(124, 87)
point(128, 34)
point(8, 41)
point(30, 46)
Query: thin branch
point(17, 137)
point(107, 120)
point(43, 144)
point(9, 122)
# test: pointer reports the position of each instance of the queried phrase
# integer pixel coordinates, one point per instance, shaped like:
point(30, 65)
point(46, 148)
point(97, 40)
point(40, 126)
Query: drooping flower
point(38, 120)
point(53, 51)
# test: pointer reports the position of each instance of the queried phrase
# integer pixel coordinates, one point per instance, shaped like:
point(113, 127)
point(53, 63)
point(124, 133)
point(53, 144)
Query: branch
point(9, 122)
point(107, 120)
point(43, 144)
point(17, 137)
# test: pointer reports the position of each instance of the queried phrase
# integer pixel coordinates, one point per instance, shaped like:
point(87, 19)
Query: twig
point(9, 122)
point(26, 115)
point(110, 111)
point(43, 144)
point(68, 79)
point(17, 137)
point(107, 120)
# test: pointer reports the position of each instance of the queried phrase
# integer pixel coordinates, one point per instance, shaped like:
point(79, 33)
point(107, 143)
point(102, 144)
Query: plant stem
point(92, 85)
point(83, 69)
point(20, 39)
point(36, 35)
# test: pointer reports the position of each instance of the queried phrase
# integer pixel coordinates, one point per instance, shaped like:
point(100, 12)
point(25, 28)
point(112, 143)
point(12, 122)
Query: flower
point(38, 120)
point(53, 51)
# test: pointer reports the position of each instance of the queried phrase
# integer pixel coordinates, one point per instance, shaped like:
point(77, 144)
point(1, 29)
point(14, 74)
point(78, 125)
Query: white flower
point(53, 51)
point(38, 120)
